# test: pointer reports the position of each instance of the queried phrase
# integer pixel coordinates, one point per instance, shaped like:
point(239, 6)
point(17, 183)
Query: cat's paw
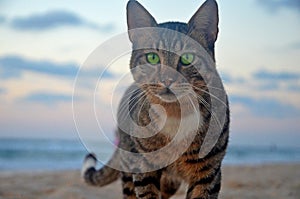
point(90, 161)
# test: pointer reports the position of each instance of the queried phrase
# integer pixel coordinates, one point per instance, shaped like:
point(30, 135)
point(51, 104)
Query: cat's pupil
point(152, 58)
point(187, 58)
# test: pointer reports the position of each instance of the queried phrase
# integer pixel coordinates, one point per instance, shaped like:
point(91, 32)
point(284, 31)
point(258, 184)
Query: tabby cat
point(171, 81)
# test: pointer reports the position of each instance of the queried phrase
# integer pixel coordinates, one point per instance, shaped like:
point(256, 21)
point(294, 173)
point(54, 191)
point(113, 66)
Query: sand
point(246, 182)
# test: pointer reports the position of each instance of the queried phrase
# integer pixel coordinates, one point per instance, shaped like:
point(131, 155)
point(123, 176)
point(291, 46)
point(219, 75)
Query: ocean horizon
point(25, 154)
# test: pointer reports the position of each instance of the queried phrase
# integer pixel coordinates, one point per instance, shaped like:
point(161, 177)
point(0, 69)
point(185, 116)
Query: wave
point(42, 154)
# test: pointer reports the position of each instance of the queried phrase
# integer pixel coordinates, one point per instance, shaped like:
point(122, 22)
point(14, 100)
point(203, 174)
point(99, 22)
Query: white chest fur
point(189, 122)
point(182, 126)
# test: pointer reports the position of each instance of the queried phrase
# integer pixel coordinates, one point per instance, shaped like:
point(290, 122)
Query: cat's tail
point(101, 177)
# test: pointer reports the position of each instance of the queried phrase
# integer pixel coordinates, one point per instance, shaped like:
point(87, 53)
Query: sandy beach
point(246, 182)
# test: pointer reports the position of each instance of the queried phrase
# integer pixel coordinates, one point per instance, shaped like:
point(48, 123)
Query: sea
point(57, 154)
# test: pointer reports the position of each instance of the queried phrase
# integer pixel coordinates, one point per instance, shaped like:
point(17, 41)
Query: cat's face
point(165, 56)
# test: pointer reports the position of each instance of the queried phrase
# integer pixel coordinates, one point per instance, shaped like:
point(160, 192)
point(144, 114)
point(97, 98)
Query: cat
point(162, 80)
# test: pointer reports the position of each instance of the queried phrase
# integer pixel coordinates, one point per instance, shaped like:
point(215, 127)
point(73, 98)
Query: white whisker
point(199, 89)
point(122, 110)
point(207, 106)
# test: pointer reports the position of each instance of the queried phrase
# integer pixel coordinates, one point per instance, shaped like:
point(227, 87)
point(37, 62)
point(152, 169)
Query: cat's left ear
point(138, 17)
point(205, 22)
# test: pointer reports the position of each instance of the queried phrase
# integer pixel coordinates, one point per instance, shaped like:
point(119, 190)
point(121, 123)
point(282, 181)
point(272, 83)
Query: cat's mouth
point(167, 95)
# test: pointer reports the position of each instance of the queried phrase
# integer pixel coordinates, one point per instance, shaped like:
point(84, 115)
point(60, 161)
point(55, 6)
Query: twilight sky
point(43, 44)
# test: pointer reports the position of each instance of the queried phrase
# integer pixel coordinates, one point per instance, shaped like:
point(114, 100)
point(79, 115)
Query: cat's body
point(203, 175)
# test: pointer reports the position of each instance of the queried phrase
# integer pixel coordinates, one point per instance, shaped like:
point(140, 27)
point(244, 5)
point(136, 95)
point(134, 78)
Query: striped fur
point(203, 175)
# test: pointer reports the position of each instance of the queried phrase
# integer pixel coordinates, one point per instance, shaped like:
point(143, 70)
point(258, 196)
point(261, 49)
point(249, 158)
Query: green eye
point(187, 58)
point(153, 58)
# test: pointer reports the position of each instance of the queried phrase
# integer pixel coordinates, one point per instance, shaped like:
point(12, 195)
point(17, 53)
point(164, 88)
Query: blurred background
point(44, 43)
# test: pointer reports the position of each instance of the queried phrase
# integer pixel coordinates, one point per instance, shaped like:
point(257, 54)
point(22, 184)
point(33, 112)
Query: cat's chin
point(170, 97)
point(167, 97)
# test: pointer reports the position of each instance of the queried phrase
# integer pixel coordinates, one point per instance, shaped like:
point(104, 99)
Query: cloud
point(294, 46)
point(269, 85)
point(276, 76)
point(47, 98)
point(55, 19)
point(2, 19)
point(2, 91)
point(266, 107)
point(13, 66)
point(226, 78)
point(267, 80)
point(294, 88)
point(275, 5)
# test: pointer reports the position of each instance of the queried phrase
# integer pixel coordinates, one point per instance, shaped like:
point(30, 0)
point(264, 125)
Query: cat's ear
point(204, 23)
point(138, 17)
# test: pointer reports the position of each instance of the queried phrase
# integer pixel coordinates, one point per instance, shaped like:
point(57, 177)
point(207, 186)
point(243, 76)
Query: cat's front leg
point(147, 185)
point(168, 185)
point(207, 187)
point(127, 185)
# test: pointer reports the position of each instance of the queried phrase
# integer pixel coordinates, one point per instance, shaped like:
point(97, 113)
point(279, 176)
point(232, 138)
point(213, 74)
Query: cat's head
point(164, 55)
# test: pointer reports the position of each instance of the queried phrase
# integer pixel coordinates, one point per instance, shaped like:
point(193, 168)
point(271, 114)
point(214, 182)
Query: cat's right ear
point(138, 17)
point(204, 23)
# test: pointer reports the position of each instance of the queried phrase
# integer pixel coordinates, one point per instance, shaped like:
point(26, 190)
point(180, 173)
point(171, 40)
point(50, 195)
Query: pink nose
point(168, 82)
